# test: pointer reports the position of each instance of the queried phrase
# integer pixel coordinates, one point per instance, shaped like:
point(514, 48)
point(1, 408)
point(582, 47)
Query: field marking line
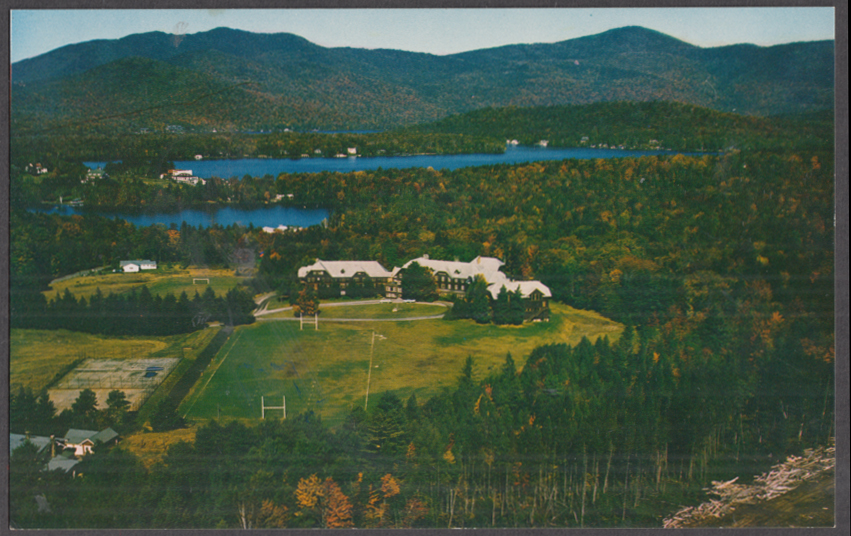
point(211, 375)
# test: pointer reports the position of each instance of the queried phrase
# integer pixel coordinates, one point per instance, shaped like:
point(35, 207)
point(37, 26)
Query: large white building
point(450, 277)
point(453, 277)
point(345, 273)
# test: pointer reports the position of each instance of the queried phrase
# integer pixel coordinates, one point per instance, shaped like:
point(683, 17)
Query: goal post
point(196, 280)
point(264, 407)
point(315, 321)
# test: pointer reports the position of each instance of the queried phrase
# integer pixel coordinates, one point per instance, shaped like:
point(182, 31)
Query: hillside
point(231, 79)
point(799, 492)
point(644, 125)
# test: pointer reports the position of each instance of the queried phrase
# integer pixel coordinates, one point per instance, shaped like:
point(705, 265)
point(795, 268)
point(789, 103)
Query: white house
point(135, 266)
point(353, 151)
point(83, 441)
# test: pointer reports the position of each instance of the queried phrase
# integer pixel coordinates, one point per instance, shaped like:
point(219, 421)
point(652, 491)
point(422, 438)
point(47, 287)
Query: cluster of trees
point(639, 125)
point(477, 304)
point(149, 155)
point(724, 264)
point(36, 414)
point(44, 247)
point(137, 313)
point(597, 435)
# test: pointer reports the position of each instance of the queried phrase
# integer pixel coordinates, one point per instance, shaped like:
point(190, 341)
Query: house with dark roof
point(345, 273)
point(83, 441)
point(17, 440)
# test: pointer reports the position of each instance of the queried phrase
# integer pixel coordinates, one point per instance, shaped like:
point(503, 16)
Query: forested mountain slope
point(240, 80)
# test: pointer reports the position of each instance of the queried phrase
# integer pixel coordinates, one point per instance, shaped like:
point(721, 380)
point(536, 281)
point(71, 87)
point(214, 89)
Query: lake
point(260, 217)
point(295, 217)
point(258, 167)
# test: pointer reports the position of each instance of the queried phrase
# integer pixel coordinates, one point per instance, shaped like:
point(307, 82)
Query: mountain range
point(232, 79)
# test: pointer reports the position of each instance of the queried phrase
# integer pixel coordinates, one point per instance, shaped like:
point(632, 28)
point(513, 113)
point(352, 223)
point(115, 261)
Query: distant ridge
point(283, 80)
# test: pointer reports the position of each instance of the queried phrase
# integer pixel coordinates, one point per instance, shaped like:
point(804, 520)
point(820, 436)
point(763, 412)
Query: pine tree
point(478, 300)
point(501, 312)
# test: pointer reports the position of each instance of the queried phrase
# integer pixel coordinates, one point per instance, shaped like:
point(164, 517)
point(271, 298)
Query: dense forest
point(637, 125)
point(56, 148)
point(720, 265)
point(135, 161)
point(597, 435)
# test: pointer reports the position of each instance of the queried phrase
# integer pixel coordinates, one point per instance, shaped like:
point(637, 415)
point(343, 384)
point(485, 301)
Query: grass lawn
point(376, 311)
point(326, 370)
point(36, 356)
point(160, 281)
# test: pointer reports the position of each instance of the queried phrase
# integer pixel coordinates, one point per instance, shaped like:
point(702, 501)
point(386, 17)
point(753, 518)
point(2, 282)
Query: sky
point(436, 31)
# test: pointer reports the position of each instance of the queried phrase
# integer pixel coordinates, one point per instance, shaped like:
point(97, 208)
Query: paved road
point(329, 319)
point(265, 311)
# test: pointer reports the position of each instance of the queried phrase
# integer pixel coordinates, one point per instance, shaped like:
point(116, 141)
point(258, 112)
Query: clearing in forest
point(326, 370)
point(38, 358)
point(160, 281)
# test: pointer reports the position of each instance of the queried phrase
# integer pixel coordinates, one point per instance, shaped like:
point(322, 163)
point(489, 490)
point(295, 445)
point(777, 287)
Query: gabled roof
point(139, 262)
point(104, 436)
point(77, 437)
point(16, 440)
point(345, 269)
point(60, 462)
point(488, 267)
point(526, 288)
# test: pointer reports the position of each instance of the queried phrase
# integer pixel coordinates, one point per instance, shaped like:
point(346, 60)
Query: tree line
point(595, 435)
point(138, 313)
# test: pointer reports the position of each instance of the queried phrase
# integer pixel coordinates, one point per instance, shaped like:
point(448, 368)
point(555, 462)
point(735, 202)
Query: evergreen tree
point(418, 283)
point(501, 312)
point(478, 300)
point(516, 308)
point(165, 416)
point(117, 407)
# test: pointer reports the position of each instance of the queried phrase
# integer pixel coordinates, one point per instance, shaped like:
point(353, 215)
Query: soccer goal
point(197, 280)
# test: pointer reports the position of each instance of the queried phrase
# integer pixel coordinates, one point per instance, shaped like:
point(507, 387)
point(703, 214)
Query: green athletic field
point(160, 281)
point(326, 370)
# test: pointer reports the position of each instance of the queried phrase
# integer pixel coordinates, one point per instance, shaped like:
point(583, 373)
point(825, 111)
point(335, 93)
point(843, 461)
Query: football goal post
point(315, 321)
point(264, 407)
point(196, 280)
